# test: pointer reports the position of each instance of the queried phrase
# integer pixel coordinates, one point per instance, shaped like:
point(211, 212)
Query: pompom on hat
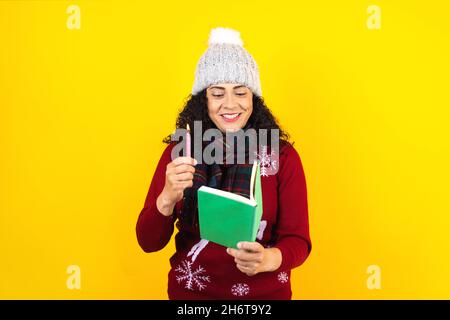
point(226, 61)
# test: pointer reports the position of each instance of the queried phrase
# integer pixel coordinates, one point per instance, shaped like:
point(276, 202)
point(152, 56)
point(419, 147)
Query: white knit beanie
point(226, 61)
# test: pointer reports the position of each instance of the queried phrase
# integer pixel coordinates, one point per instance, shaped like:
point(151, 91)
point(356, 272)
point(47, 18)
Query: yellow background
point(83, 113)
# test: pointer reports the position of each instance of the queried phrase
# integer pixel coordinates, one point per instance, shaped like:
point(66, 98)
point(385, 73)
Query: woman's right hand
point(179, 176)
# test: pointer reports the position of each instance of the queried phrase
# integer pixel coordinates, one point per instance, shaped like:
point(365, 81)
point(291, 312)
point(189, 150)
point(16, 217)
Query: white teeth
point(230, 116)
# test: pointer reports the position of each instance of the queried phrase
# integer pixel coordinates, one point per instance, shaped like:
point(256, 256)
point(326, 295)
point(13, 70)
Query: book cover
point(227, 218)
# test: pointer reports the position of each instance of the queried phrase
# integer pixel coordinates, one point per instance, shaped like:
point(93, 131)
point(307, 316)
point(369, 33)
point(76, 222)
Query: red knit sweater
point(202, 269)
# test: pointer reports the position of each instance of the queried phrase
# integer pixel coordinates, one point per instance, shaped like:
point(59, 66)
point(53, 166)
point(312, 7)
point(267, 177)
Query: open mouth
point(230, 117)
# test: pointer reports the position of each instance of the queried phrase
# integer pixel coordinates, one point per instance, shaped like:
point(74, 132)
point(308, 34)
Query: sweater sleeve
point(153, 229)
point(292, 229)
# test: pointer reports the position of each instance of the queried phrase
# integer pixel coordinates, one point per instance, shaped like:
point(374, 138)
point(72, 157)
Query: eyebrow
point(236, 87)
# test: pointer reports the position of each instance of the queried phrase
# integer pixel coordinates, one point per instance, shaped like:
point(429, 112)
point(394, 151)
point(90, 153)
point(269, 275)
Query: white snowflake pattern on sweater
point(240, 289)
point(268, 163)
point(193, 278)
point(283, 277)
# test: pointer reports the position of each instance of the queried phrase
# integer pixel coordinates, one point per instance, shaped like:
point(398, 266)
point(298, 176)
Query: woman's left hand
point(252, 258)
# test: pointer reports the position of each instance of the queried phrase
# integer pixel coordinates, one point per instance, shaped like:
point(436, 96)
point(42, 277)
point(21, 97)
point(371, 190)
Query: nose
point(230, 102)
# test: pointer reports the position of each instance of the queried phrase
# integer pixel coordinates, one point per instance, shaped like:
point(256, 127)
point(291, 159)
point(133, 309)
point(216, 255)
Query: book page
point(252, 181)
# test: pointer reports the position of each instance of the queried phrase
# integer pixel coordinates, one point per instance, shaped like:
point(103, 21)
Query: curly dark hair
point(196, 109)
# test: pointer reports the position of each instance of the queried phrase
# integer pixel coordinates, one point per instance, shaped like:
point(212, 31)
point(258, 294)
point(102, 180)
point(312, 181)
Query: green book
point(227, 218)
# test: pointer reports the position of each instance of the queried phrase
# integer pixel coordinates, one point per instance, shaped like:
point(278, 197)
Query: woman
point(227, 96)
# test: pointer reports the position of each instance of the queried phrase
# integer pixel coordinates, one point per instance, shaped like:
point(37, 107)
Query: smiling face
point(229, 105)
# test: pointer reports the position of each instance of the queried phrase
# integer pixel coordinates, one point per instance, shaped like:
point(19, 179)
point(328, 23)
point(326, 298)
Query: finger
point(247, 271)
point(187, 184)
point(175, 177)
point(184, 160)
point(248, 264)
point(186, 176)
point(232, 252)
point(250, 246)
point(248, 256)
point(236, 253)
point(243, 268)
point(180, 186)
point(183, 168)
